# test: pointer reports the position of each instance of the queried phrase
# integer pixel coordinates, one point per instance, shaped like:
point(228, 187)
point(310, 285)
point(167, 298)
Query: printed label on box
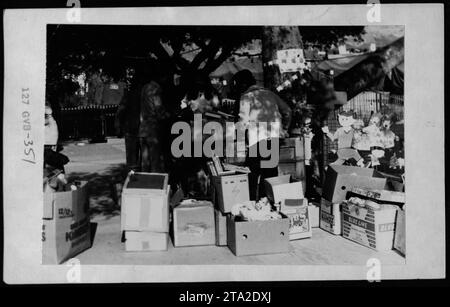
point(368, 228)
point(327, 221)
point(326, 206)
point(358, 222)
point(364, 237)
point(299, 221)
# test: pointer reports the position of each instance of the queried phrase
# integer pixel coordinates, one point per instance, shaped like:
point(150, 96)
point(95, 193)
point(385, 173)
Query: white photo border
point(25, 32)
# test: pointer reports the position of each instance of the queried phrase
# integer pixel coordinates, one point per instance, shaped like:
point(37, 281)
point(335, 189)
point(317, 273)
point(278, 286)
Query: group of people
point(145, 115)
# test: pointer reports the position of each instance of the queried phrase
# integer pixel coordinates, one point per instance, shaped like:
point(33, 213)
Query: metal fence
point(87, 122)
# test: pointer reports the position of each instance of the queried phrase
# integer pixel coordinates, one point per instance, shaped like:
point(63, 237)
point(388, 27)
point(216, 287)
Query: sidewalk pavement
point(103, 165)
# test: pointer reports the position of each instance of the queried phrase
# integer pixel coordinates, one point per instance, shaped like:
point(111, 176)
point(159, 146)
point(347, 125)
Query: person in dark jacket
point(127, 121)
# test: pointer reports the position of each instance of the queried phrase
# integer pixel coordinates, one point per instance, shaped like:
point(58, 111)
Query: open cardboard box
point(66, 225)
point(369, 227)
point(340, 179)
point(283, 187)
point(231, 190)
point(257, 237)
point(379, 196)
point(145, 202)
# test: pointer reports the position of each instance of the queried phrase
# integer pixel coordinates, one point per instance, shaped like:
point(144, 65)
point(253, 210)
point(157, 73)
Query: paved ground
point(323, 248)
point(103, 166)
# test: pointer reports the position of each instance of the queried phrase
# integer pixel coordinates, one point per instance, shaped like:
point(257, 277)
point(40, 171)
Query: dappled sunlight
point(104, 189)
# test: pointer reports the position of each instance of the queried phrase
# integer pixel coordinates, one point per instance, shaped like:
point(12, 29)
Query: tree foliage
point(76, 49)
point(324, 37)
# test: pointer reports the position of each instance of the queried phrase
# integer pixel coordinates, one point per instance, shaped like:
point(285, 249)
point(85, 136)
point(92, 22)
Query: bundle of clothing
point(255, 211)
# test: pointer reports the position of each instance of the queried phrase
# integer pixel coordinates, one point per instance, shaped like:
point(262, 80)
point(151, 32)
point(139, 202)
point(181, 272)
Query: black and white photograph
point(187, 140)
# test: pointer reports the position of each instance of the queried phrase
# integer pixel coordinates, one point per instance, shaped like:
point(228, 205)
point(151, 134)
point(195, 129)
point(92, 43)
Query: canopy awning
point(228, 68)
point(341, 64)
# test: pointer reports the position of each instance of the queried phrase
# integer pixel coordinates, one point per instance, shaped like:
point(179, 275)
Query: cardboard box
point(379, 196)
point(193, 224)
point(330, 216)
point(230, 190)
point(146, 241)
point(314, 215)
point(257, 237)
point(368, 227)
point(66, 227)
point(297, 211)
point(282, 187)
point(400, 232)
point(292, 149)
point(340, 179)
point(145, 202)
point(295, 169)
point(221, 228)
point(289, 205)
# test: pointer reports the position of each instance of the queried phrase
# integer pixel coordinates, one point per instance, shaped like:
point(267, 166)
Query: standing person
point(153, 114)
point(260, 105)
point(128, 118)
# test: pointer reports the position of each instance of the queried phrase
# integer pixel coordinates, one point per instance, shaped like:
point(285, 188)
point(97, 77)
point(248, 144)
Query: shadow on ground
point(104, 189)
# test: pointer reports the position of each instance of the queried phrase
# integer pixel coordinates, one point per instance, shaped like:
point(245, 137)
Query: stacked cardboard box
point(370, 227)
point(379, 225)
point(292, 159)
point(229, 186)
point(66, 224)
point(228, 190)
point(339, 180)
point(145, 211)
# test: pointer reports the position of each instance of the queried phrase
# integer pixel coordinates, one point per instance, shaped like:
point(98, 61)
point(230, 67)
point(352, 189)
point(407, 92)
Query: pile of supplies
point(145, 212)
point(357, 205)
point(227, 218)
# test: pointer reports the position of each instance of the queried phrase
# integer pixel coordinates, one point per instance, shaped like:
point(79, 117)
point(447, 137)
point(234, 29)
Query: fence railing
point(87, 122)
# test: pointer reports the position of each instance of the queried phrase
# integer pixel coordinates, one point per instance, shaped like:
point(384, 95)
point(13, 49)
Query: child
point(344, 136)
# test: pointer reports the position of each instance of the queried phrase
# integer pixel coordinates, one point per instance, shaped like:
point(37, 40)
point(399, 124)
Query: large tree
point(76, 49)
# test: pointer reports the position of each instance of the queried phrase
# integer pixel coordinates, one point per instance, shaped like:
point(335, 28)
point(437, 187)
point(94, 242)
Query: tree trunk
point(274, 39)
